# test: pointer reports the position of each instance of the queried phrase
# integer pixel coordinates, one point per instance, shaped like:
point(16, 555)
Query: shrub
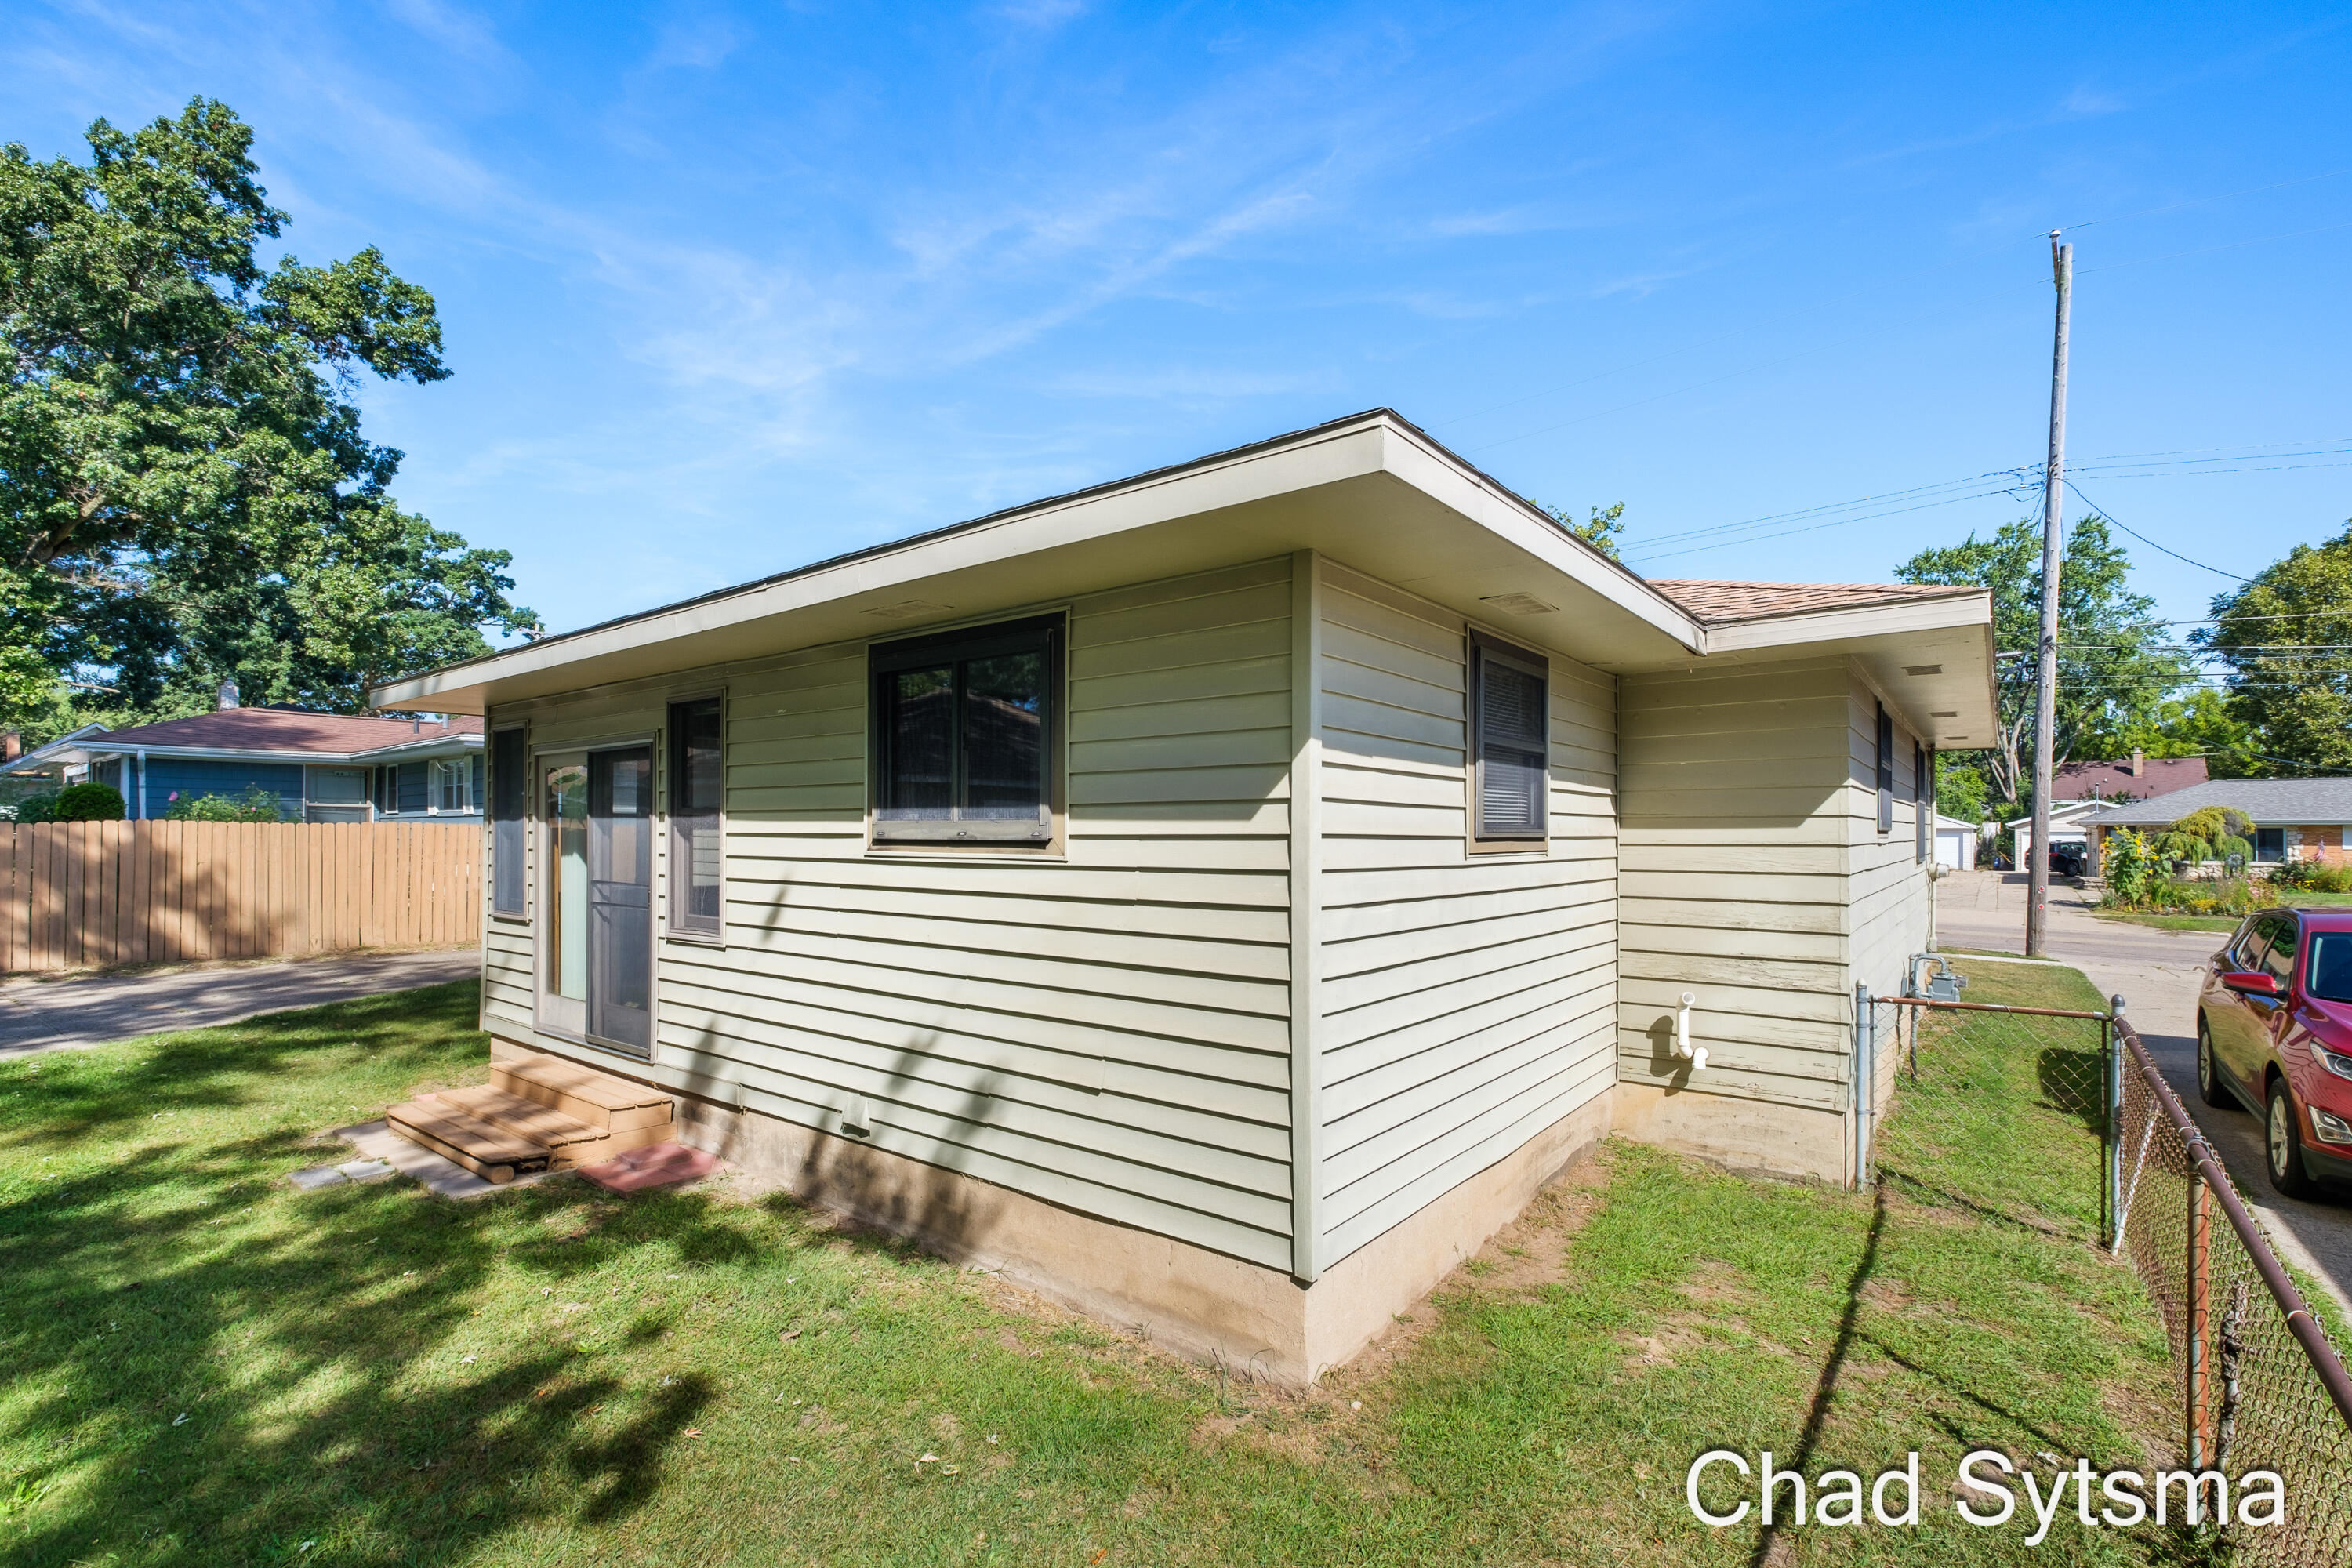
point(2130, 864)
point(88, 803)
point(256, 805)
point(37, 807)
point(2213, 833)
point(2313, 876)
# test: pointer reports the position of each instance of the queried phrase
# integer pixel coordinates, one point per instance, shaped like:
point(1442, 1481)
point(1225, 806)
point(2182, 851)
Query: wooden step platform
point(537, 1113)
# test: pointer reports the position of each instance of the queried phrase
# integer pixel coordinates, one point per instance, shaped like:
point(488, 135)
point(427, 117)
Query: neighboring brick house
point(2294, 819)
point(322, 767)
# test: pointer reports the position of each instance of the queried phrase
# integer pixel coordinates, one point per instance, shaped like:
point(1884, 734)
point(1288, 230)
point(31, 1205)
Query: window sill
point(696, 937)
point(513, 919)
point(950, 854)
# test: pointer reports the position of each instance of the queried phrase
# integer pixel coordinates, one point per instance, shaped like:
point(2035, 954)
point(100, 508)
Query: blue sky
point(732, 288)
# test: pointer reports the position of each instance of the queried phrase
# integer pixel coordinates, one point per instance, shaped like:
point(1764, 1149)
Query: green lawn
point(2291, 898)
point(199, 1365)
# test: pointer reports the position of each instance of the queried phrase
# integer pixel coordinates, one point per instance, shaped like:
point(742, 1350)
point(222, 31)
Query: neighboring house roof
point(2067, 813)
point(1372, 492)
point(285, 729)
point(2272, 802)
point(1713, 602)
point(1954, 824)
point(274, 734)
point(2117, 781)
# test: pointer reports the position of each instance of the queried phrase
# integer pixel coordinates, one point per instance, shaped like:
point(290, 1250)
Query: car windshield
point(2330, 976)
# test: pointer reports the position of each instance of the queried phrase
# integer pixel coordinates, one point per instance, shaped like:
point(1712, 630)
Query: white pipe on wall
point(1695, 1055)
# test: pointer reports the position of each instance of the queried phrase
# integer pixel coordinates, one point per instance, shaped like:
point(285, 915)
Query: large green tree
point(2118, 660)
point(185, 491)
point(2287, 636)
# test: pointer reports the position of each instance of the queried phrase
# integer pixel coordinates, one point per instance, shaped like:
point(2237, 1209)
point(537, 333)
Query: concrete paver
point(2156, 972)
point(41, 1015)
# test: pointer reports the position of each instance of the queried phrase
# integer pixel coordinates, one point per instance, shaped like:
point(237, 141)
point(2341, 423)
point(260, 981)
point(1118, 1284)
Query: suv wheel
point(2210, 1088)
point(2282, 1145)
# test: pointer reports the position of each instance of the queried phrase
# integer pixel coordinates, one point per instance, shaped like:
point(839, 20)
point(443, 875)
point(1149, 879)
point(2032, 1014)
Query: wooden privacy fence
point(82, 895)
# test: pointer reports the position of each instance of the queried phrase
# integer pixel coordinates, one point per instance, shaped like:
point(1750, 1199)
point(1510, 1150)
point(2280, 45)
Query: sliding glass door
point(595, 935)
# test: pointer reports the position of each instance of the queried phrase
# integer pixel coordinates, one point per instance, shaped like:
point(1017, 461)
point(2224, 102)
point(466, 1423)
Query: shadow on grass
point(197, 1363)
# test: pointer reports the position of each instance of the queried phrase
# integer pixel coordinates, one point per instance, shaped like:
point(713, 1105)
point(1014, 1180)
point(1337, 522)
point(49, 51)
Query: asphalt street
point(2156, 974)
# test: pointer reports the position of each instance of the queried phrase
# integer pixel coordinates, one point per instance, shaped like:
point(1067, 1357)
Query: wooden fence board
point(88, 894)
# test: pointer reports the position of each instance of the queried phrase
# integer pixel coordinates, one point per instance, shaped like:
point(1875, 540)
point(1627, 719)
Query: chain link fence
point(2060, 1120)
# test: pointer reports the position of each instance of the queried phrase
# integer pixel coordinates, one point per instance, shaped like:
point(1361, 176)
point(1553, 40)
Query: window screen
point(963, 735)
point(1509, 740)
point(696, 785)
point(510, 786)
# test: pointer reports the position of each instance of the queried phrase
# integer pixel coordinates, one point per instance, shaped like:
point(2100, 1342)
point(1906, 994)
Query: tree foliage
point(2287, 636)
point(2118, 662)
point(2209, 832)
point(1600, 529)
point(185, 489)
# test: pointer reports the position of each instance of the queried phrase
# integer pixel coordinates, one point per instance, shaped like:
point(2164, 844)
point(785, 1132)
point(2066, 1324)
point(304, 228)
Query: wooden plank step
point(491, 1153)
point(568, 1141)
point(526, 1119)
point(582, 1093)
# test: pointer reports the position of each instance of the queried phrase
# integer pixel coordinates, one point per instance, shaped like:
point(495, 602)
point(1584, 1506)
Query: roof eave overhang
point(1947, 639)
point(1370, 492)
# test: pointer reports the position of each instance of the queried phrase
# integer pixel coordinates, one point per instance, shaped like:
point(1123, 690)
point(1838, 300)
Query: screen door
point(621, 897)
point(595, 933)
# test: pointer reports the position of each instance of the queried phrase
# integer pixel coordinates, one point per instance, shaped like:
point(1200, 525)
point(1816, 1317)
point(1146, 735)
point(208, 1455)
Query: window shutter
point(1513, 748)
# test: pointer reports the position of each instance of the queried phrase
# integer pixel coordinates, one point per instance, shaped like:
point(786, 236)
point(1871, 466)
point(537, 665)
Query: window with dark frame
point(965, 727)
point(696, 793)
point(1885, 770)
point(509, 791)
point(1510, 741)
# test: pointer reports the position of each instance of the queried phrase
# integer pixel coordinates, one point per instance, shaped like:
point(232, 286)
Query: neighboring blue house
point(322, 767)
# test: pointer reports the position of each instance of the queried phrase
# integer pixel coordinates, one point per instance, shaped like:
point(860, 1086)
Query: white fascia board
point(1487, 504)
point(1326, 458)
point(1315, 460)
point(454, 745)
point(220, 754)
point(1890, 619)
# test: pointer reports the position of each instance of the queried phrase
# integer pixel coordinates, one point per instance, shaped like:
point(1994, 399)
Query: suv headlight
point(2335, 1062)
point(2331, 1128)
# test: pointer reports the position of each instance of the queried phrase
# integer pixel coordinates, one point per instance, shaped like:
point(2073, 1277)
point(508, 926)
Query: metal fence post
point(1864, 1028)
point(2111, 1199)
point(2201, 1248)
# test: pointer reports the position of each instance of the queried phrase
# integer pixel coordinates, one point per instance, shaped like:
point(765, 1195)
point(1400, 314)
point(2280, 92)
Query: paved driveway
point(43, 1015)
point(2154, 972)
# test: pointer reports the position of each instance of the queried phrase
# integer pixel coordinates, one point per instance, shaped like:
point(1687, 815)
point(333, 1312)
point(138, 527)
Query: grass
point(2289, 898)
point(199, 1365)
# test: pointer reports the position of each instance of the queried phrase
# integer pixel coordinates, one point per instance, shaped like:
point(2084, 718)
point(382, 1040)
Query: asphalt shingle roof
point(2272, 802)
point(1714, 601)
point(281, 730)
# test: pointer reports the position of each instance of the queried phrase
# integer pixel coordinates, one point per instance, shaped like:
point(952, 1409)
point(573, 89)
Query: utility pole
point(2045, 686)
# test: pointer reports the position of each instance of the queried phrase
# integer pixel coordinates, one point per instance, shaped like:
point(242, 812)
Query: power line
point(1816, 511)
point(2144, 538)
point(1810, 528)
point(2209, 249)
point(2200, 201)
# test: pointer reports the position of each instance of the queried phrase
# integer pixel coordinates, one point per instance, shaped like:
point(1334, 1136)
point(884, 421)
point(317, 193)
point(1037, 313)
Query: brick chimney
point(12, 746)
point(226, 698)
point(2138, 763)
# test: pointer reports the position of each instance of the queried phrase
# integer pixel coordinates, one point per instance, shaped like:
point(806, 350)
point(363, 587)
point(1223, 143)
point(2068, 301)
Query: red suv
point(2274, 1032)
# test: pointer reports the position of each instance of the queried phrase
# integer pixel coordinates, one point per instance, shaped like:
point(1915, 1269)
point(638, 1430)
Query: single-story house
point(1223, 896)
point(1955, 843)
point(2294, 819)
point(322, 767)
